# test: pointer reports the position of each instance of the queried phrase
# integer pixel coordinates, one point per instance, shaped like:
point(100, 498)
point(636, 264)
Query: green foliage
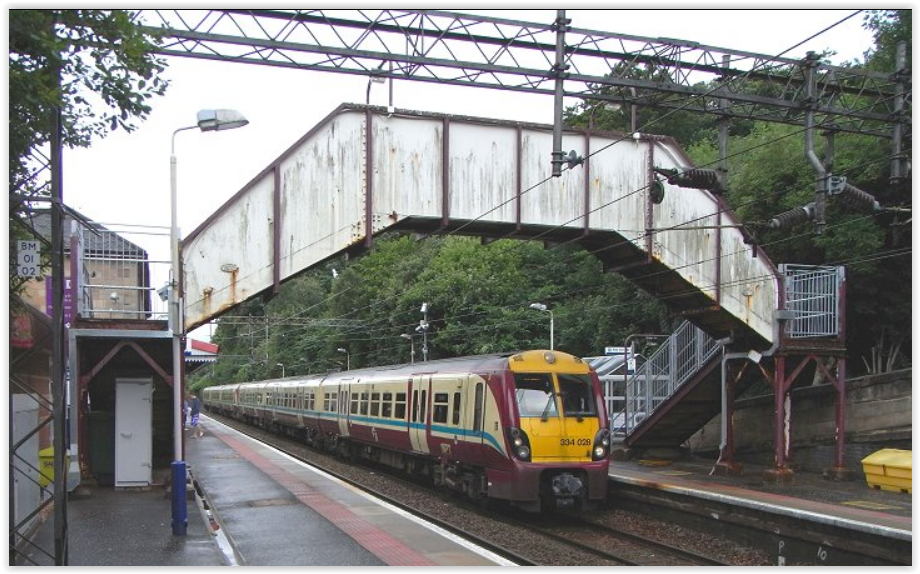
point(108, 75)
point(889, 28)
point(478, 296)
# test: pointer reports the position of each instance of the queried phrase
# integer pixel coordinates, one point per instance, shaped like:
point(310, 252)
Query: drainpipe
point(725, 455)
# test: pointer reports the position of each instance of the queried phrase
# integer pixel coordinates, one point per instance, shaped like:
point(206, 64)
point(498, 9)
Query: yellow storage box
point(46, 465)
point(889, 469)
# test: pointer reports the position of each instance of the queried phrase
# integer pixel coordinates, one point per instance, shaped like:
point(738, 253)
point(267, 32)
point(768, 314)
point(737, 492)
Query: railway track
point(523, 540)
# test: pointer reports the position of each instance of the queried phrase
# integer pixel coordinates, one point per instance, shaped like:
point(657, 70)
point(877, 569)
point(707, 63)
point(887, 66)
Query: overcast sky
point(124, 178)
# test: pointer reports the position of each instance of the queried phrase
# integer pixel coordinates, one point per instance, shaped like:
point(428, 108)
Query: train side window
point(386, 408)
point(456, 417)
point(354, 403)
point(439, 414)
point(364, 401)
point(375, 404)
point(423, 410)
point(477, 409)
point(400, 411)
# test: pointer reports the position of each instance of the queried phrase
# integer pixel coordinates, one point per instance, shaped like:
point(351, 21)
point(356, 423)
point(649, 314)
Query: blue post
point(179, 500)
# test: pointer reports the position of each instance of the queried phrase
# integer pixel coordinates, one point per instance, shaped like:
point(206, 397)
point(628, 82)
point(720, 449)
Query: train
point(528, 428)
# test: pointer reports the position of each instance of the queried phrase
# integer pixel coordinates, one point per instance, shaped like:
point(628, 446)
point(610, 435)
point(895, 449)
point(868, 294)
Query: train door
point(467, 411)
point(300, 403)
point(418, 416)
point(342, 406)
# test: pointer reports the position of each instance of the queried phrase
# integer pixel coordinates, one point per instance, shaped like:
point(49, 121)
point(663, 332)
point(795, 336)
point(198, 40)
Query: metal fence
point(118, 278)
point(812, 293)
point(684, 353)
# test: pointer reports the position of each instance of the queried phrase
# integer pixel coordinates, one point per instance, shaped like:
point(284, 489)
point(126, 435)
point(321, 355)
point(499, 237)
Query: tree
point(108, 75)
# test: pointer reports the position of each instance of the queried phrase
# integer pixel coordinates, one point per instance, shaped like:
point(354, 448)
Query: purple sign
point(68, 299)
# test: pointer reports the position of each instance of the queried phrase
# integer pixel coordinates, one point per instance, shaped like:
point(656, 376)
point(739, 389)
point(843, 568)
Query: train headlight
point(520, 444)
point(601, 445)
point(523, 452)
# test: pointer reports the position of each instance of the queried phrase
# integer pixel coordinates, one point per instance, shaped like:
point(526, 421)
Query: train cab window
point(536, 396)
point(456, 414)
point(375, 404)
point(400, 411)
point(386, 408)
point(477, 410)
point(577, 395)
point(439, 412)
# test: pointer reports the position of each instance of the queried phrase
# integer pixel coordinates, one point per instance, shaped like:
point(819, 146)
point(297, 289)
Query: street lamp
point(423, 329)
point(282, 368)
point(542, 307)
point(411, 348)
point(208, 120)
point(347, 358)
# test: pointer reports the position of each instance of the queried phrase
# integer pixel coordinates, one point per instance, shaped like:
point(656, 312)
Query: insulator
point(793, 217)
point(857, 198)
point(697, 179)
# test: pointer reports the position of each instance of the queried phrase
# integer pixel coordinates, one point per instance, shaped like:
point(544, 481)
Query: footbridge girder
point(362, 171)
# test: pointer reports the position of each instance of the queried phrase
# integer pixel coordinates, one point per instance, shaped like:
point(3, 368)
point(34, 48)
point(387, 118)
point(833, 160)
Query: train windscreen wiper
point(549, 402)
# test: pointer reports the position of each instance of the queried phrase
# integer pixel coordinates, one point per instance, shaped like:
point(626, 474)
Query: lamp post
point(423, 328)
point(282, 368)
point(411, 347)
point(208, 120)
point(347, 358)
point(542, 307)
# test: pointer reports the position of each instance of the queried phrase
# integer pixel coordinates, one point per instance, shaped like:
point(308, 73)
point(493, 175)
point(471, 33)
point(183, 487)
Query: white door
point(418, 417)
point(133, 431)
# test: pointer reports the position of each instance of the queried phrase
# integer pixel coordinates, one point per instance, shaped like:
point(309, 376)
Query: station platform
point(275, 510)
point(849, 504)
point(126, 527)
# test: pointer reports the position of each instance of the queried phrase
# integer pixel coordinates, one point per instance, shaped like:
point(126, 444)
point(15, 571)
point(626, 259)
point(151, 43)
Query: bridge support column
point(781, 473)
point(838, 472)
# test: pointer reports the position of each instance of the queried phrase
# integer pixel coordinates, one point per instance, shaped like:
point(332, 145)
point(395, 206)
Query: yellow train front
point(557, 434)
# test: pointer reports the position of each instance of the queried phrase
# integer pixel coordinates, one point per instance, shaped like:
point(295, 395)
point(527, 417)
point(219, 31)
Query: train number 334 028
point(574, 442)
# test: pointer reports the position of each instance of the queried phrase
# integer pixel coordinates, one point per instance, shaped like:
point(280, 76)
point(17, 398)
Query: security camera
point(163, 292)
